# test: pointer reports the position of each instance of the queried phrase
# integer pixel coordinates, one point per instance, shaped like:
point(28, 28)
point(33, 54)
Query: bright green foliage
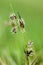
point(12, 45)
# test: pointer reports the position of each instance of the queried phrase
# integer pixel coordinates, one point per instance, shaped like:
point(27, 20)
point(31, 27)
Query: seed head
point(14, 29)
point(30, 43)
point(22, 24)
point(12, 16)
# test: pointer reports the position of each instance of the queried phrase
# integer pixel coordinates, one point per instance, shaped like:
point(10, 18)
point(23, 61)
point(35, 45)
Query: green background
point(11, 45)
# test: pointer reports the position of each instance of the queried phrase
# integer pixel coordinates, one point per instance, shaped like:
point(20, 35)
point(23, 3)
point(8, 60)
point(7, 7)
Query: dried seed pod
point(14, 29)
point(12, 16)
point(21, 23)
point(30, 43)
point(28, 52)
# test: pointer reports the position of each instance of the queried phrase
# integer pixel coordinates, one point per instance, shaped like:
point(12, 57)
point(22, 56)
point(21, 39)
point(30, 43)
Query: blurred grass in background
point(11, 46)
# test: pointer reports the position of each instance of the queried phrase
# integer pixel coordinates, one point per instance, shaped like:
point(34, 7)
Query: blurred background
point(11, 45)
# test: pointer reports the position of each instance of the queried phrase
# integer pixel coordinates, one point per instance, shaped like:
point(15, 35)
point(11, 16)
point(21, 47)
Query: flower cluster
point(15, 24)
point(29, 49)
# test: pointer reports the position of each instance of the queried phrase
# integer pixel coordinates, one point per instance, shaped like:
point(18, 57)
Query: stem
point(27, 59)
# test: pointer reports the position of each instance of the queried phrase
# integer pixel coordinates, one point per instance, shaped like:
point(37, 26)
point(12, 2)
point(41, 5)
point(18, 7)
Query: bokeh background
point(11, 45)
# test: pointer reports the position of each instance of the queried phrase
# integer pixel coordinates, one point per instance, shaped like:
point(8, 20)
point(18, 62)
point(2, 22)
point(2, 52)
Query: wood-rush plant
point(28, 51)
point(15, 24)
